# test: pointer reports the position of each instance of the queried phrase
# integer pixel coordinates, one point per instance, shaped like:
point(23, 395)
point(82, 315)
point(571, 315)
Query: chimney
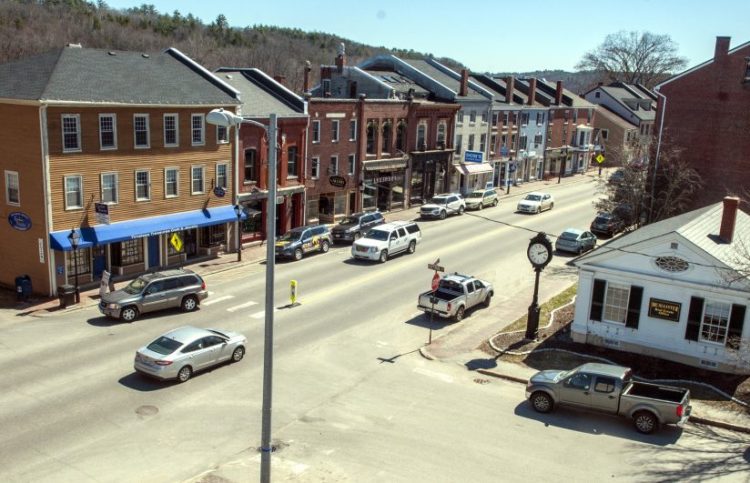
point(558, 93)
point(306, 81)
point(509, 85)
point(722, 47)
point(280, 79)
point(532, 90)
point(728, 218)
point(464, 89)
point(341, 58)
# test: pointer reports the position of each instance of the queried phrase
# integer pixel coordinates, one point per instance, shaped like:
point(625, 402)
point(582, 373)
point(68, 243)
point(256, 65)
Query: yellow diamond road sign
point(599, 158)
point(176, 242)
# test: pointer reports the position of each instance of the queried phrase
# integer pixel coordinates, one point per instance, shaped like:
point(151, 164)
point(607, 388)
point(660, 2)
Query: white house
point(673, 289)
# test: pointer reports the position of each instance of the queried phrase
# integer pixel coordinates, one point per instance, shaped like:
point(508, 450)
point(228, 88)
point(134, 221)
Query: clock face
point(538, 254)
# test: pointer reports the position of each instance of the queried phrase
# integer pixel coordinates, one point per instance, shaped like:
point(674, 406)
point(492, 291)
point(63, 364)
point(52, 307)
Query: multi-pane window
point(109, 187)
point(171, 133)
point(493, 143)
point(198, 129)
point(441, 134)
point(616, 302)
point(495, 118)
point(524, 118)
point(353, 130)
point(539, 118)
point(107, 131)
point(316, 131)
point(352, 160)
point(142, 185)
point(471, 142)
point(504, 140)
point(221, 175)
point(171, 182)
point(371, 133)
point(12, 188)
point(82, 258)
point(315, 168)
point(292, 162)
point(460, 117)
point(333, 168)
point(482, 142)
point(71, 132)
point(141, 131)
point(386, 137)
point(335, 130)
point(459, 143)
point(131, 252)
point(472, 117)
point(484, 116)
point(73, 192)
point(715, 322)
point(222, 135)
point(401, 136)
point(197, 180)
point(422, 136)
point(523, 142)
point(251, 168)
point(537, 139)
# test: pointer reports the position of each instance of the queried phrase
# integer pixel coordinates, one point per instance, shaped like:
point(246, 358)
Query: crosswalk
point(233, 308)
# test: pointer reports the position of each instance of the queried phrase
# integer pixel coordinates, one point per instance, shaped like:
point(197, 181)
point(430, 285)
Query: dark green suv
point(302, 240)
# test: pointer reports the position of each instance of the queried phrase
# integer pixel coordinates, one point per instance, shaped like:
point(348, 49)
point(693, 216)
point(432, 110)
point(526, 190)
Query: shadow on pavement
point(593, 423)
point(423, 320)
point(142, 383)
point(488, 363)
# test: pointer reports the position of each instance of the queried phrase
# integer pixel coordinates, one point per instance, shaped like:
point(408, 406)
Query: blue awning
point(145, 227)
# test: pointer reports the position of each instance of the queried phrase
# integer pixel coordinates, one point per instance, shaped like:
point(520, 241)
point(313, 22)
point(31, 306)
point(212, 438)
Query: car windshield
point(567, 235)
point(439, 200)
point(377, 235)
point(292, 235)
point(349, 220)
point(476, 194)
point(136, 286)
point(218, 333)
point(603, 219)
point(164, 345)
point(533, 197)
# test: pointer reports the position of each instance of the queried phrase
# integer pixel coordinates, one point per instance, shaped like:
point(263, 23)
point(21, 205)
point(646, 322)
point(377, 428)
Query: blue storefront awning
point(145, 227)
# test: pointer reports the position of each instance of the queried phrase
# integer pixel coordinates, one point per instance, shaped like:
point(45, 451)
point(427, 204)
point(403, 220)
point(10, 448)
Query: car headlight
point(373, 249)
point(113, 306)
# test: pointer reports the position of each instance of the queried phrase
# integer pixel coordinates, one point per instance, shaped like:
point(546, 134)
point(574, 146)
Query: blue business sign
point(473, 156)
point(19, 221)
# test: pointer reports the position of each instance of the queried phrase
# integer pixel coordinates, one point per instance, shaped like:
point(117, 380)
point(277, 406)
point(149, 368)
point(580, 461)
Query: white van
point(388, 239)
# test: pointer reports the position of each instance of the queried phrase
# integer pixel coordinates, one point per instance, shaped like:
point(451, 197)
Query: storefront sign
point(664, 309)
point(473, 156)
point(220, 191)
point(102, 213)
point(20, 221)
point(386, 179)
point(337, 181)
point(41, 250)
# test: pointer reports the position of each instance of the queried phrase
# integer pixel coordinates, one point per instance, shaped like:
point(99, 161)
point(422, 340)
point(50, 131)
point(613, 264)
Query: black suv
point(297, 242)
point(354, 226)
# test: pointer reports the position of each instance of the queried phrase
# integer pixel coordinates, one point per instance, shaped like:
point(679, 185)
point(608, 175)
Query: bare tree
point(634, 57)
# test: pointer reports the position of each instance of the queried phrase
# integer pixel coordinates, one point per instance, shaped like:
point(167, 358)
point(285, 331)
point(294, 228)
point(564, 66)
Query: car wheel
point(324, 246)
point(481, 205)
point(443, 214)
point(541, 402)
point(238, 354)
point(551, 205)
point(383, 256)
point(185, 374)
point(538, 210)
point(129, 313)
point(189, 304)
point(298, 254)
point(645, 422)
point(459, 314)
point(580, 250)
point(494, 203)
point(487, 300)
point(461, 210)
point(412, 247)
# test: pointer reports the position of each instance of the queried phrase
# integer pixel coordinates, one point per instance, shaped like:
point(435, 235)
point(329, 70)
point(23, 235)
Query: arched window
point(441, 135)
point(251, 165)
point(422, 136)
point(386, 137)
point(371, 135)
point(401, 136)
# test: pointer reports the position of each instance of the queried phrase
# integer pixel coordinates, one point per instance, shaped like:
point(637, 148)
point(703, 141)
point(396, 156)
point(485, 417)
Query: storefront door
point(153, 251)
point(100, 260)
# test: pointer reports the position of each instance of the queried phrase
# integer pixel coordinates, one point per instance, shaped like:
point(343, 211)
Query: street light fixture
point(238, 212)
point(220, 117)
point(74, 238)
point(563, 163)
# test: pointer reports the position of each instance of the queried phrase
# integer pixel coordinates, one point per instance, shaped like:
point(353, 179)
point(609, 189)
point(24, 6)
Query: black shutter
point(597, 301)
point(694, 318)
point(736, 321)
point(634, 307)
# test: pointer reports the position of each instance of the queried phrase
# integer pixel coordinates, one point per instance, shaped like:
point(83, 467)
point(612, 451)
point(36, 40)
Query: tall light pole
point(238, 212)
point(220, 117)
point(563, 163)
point(74, 238)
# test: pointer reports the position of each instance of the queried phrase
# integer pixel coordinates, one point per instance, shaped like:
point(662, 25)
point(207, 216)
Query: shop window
point(369, 196)
point(312, 211)
point(140, 131)
point(80, 257)
point(292, 162)
point(253, 224)
point(71, 133)
point(401, 136)
point(213, 236)
point(107, 131)
point(171, 133)
point(417, 186)
point(128, 252)
point(386, 137)
point(197, 123)
point(251, 165)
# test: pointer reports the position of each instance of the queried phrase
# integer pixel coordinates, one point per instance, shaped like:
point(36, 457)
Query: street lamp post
point(238, 212)
point(562, 163)
point(74, 238)
point(220, 117)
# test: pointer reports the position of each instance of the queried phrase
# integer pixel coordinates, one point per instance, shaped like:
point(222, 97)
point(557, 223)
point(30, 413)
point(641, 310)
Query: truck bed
point(446, 295)
point(655, 391)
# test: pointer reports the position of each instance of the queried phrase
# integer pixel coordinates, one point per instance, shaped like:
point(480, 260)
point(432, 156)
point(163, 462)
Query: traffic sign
point(435, 281)
point(599, 158)
point(176, 242)
point(436, 267)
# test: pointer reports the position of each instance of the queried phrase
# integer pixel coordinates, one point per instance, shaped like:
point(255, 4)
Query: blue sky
point(487, 35)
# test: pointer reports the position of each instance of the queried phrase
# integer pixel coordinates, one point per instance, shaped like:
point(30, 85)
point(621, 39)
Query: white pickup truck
point(455, 295)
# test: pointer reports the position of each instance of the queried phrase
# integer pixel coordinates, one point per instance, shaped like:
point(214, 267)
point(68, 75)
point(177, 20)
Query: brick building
point(703, 112)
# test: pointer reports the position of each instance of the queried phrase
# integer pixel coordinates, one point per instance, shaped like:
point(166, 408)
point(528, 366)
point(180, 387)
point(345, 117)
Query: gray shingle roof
point(261, 95)
point(630, 101)
point(443, 78)
point(74, 74)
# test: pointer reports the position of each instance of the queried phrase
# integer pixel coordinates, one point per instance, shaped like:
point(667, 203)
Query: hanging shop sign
point(337, 181)
point(220, 191)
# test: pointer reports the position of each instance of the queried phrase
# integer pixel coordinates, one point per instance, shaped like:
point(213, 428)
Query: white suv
point(443, 205)
point(388, 239)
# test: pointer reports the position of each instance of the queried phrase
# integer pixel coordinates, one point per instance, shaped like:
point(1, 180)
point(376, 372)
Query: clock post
point(540, 254)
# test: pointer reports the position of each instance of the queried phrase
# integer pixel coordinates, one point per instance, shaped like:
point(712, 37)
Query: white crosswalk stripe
point(261, 314)
point(241, 306)
point(217, 300)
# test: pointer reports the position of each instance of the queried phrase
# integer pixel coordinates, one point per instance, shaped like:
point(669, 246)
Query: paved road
point(353, 401)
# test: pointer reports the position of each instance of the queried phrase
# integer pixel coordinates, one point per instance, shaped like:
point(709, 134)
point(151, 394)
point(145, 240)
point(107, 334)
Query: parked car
point(388, 239)
point(478, 199)
point(455, 295)
point(355, 225)
point(607, 224)
point(302, 240)
point(536, 203)
point(180, 353)
point(441, 206)
point(575, 241)
point(610, 389)
point(155, 291)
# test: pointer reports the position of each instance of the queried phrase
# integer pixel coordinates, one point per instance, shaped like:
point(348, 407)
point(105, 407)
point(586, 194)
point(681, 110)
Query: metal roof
point(261, 95)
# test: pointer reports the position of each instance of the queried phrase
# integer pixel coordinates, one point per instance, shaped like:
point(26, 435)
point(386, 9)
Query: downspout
point(658, 151)
point(304, 164)
point(52, 285)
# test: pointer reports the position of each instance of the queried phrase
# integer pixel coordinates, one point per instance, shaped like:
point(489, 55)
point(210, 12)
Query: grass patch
point(546, 309)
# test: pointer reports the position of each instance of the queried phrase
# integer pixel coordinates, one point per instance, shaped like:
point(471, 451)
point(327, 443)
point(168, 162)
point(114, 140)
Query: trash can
point(67, 294)
point(26, 288)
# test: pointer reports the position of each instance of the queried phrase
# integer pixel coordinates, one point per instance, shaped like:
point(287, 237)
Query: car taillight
point(680, 411)
point(203, 285)
point(162, 363)
point(449, 306)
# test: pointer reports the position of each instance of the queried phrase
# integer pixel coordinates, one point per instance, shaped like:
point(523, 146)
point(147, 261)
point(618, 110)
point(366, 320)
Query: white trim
point(333, 161)
point(176, 169)
point(218, 139)
point(148, 131)
point(203, 179)
point(354, 132)
point(226, 174)
point(313, 174)
point(202, 141)
point(7, 190)
point(77, 118)
point(316, 122)
point(352, 164)
point(148, 184)
point(335, 130)
point(176, 129)
point(114, 132)
point(65, 191)
point(117, 186)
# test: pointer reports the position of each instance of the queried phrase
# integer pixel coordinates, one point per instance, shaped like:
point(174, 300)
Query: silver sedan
point(180, 353)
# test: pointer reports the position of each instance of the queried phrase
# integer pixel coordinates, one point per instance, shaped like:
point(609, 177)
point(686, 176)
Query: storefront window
point(340, 203)
point(386, 137)
point(214, 235)
point(417, 185)
point(369, 196)
point(128, 252)
point(253, 224)
point(84, 261)
point(312, 210)
point(397, 193)
point(401, 136)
